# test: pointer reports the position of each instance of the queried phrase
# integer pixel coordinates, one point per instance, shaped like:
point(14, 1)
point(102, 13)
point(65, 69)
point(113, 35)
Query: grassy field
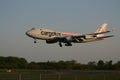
point(59, 75)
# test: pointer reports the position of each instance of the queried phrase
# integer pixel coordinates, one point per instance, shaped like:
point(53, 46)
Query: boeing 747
point(51, 36)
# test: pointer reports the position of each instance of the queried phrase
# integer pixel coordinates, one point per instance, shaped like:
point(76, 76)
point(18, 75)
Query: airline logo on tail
point(102, 28)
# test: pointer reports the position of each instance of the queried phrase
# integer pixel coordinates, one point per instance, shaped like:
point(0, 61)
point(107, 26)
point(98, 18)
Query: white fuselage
point(46, 34)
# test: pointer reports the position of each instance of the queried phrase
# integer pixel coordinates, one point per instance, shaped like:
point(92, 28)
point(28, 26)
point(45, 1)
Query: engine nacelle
point(51, 41)
point(88, 36)
point(69, 39)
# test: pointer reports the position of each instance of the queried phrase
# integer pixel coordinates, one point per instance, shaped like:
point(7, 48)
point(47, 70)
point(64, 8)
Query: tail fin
point(102, 28)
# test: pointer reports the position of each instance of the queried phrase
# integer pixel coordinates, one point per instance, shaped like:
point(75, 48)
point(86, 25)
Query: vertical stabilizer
point(102, 28)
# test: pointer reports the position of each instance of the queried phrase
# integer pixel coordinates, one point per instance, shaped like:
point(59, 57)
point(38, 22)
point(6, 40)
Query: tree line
point(21, 63)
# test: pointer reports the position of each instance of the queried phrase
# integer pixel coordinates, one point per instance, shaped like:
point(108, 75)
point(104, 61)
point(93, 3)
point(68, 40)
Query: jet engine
point(69, 39)
point(89, 36)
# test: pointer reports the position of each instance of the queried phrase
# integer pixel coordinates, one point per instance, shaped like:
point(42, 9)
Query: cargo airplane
point(51, 36)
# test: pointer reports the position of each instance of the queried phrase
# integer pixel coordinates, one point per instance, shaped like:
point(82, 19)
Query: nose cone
point(30, 33)
point(27, 33)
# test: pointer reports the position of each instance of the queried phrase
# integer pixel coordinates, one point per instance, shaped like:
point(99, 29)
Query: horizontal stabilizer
point(107, 36)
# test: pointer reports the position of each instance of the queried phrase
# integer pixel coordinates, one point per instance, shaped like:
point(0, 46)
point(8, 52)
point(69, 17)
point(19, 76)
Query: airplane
point(52, 36)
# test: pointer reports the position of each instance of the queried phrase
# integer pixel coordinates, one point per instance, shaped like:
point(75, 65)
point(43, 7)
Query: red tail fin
point(102, 28)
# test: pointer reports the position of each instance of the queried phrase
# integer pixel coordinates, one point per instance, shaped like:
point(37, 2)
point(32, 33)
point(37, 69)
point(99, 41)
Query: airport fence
point(62, 75)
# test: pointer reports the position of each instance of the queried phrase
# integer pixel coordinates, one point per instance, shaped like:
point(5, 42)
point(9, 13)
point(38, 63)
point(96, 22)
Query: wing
point(77, 38)
point(92, 34)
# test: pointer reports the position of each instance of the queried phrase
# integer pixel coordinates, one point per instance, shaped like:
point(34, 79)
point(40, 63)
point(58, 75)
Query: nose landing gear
point(35, 41)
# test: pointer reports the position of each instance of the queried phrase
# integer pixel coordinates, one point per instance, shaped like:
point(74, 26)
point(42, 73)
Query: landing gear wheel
point(68, 44)
point(35, 41)
point(60, 44)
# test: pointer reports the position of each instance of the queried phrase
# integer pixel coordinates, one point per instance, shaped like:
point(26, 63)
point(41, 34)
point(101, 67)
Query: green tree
point(108, 65)
point(117, 65)
point(22, 63)
point(100, 65)
point(2, 62)
point(33, 65)
point(13, 62)
point(92, 65)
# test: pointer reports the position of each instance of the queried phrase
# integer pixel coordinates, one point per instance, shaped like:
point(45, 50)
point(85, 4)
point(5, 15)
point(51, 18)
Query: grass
point(53, 75)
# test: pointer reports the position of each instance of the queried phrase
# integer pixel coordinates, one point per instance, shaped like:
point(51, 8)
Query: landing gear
point(68, 44)
point(60, 44)
point(35, 41)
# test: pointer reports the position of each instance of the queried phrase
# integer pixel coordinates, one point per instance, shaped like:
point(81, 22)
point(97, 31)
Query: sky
point(78, 16)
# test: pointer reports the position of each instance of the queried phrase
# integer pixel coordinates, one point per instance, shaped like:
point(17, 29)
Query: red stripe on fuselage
point(65, 34)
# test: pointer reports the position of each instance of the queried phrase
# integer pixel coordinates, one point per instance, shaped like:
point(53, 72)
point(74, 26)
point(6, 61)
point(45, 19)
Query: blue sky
point(79, 16)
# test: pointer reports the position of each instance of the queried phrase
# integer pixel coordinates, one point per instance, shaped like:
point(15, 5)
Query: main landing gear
point(67, 44)
point(35, 41)
point(60, 44)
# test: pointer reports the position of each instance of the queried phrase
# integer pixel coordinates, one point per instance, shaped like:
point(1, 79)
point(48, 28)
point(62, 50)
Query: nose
point(27, 33)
